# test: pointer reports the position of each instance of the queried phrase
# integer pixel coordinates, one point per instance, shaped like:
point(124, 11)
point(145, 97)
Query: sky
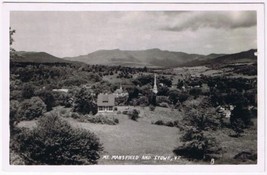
point(67, 34)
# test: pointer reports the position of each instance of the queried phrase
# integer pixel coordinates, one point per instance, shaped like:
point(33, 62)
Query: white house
point(105, 102)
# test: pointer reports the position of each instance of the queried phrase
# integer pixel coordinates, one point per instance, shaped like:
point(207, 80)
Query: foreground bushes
point(240, 119)
point(133, 114)
point(196, 145)
point(168, 123)
point(95, 119)
point(55, 142)
point(31, 108)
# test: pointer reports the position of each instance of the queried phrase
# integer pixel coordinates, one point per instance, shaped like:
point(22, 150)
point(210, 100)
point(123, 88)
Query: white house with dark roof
point(105, 102)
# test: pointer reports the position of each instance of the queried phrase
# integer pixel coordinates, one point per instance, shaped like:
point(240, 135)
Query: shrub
point(202, 120)
point(195, 92)
point(183, 97)
point(16, 95)
point(13, 115)
point(174, 123)
point(198, 146)
point(200, 114)
point(48, 98)
point(75, 115)
point(152, 108)
point(170, 124)
point(28, 91)
point(31, 108)
point(246, 155)
point(125, 112)
point(162, 99)
point(134, 114)
point(55, 142)
point(174, 96)
point(159, 122)
point(102, 120)
point(143, 101)
point(240, 118)
point(116, 120)
point(95, 119)
point(119, 112)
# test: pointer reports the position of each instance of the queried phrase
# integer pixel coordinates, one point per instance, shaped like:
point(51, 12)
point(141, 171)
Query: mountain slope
point(37, 57)
point(241, 57)
point(151, 57)
point(141, 58)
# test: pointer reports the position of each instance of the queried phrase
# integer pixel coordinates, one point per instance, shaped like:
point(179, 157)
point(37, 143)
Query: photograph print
point(133, 87)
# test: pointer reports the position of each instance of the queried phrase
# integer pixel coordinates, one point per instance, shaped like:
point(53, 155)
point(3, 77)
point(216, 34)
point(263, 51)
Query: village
point(146, 108)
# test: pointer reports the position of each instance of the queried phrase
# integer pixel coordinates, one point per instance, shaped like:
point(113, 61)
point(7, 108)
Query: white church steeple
point(155, 89)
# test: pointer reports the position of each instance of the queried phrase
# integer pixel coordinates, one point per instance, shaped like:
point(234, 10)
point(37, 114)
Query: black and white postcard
point(100, 87)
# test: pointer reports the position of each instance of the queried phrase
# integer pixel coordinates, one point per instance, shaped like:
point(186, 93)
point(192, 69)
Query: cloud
point(222, 19)
point(66, 34)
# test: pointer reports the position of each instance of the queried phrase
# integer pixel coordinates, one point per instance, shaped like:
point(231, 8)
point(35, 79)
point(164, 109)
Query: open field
point(141, 138)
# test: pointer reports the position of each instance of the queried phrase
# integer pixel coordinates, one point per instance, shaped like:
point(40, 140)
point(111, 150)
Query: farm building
point(105, 102)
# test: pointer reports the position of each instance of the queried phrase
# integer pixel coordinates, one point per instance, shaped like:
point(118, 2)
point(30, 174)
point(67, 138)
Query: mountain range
point(141, 58)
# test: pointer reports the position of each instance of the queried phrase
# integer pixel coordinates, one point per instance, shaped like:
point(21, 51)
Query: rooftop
point(105, 100)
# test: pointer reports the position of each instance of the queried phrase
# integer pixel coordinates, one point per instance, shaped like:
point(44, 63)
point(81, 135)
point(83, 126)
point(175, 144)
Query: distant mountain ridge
point(241, 57)
point(41, 57)
point(141, 58)
point(150, 57)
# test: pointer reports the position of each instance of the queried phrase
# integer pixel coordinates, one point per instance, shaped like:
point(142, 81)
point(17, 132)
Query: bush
point(200, 114)
point(195, 92)
point(48, 98)
point(162, 99)
point(119, 112)
point(13, 115)
point(143, 101)
point(31, 108)
point(168, 123)
point(159, 122)
point(116, 120)
point(27, 91)
point(125, 112)
point(202, 120)
point(240, 118)
point(134, 114)
point(198, 146)
point(95, 119)
point(152, 108)
point(174, 96)
point(55, 142)
point(246, 155)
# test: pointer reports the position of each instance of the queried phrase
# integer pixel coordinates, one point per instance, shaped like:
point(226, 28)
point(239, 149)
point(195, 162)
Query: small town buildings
point(60, 90)
point(120, 93)
point(105, 102)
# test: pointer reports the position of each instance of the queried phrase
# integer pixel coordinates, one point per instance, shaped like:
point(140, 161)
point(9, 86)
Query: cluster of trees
point(52, 75)
point(250, 69)
point(55, 142)
point(111, 70)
